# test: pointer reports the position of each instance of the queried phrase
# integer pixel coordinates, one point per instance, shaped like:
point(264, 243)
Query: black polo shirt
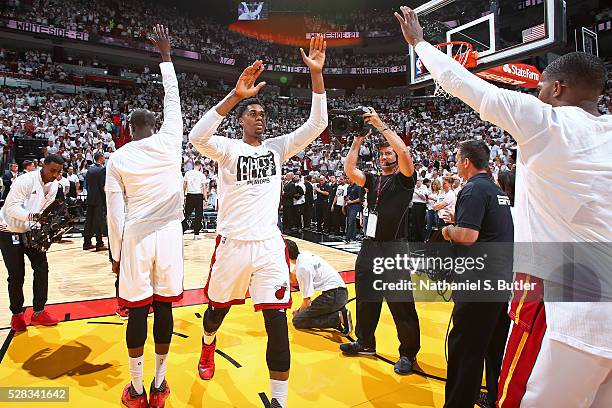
point(322, 198)
point(484, 207)
point(354, 192)
point(395, 196)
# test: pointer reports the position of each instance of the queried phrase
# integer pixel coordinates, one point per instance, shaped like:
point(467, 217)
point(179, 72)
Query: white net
point(460, 53)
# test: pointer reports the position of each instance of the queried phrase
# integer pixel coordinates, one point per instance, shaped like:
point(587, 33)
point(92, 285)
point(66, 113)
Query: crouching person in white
point(144, 194)
point(328, 310)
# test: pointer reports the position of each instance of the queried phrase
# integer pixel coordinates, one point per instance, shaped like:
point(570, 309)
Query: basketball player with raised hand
point(145, 232)
point(559, 354)
point(250, 253)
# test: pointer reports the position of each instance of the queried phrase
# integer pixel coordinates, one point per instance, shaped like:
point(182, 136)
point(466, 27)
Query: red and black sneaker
point(158, 396)
point(43, 319)
point(18, 323)
point(131, 399)
point(206, 365)
point(123, 312)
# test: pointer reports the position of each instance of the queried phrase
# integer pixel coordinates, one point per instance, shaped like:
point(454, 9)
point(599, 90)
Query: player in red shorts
point(559, 352)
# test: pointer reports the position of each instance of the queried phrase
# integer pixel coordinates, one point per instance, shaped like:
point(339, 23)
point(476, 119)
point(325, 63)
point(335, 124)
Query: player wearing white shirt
point(250, 253)
point(314, 274)
point(194, 185)
point(144, 199)
point(559, 354)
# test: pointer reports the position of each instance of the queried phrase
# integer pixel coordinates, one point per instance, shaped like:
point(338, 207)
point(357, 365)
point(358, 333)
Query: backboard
point(501, 31)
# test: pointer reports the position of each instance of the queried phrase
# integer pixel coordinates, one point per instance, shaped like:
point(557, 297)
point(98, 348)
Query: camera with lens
point(345, 121)
point(57, 219)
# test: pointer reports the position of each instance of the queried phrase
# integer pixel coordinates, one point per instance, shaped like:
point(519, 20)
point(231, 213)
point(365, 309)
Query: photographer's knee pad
point(136, 333)
point(278, 356)
point(213, 317)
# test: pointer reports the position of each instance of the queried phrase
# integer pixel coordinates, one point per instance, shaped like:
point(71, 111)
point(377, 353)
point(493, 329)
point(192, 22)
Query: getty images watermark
point(487, 272)
point(395, 274)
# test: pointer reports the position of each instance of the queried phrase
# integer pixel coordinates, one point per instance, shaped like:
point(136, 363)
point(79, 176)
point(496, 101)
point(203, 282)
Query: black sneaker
point(355, 348)
point(346, 327)
point(275, 404)
point(404, 365)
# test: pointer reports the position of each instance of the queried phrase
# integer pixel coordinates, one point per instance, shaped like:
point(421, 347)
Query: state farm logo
point(521, 72)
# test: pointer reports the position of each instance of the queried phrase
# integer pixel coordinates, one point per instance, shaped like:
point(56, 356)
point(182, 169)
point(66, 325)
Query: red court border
point(89, 309)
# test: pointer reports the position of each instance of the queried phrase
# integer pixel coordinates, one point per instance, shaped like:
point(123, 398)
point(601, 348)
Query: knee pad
point(136, 333)
point(278, 356)
point(163, 324)
point(213, 317)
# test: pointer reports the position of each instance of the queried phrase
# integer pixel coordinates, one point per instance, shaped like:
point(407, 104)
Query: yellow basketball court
point(87, 351)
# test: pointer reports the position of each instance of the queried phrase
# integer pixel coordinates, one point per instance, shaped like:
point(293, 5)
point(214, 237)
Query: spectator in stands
point(28, 166)
point(432, 214)
point(353, 202)
point(95, 221)
point(8, 178)
point(446, 201)
point(418, 211)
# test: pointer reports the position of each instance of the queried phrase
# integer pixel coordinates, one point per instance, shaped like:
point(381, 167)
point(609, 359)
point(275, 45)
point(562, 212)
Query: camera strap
point(380, 189)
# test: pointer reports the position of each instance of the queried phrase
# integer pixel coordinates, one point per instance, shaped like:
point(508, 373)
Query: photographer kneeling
point(484, 233)
point(31, 193)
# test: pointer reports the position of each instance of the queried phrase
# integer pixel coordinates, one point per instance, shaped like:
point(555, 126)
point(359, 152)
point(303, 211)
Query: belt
point(334, 289)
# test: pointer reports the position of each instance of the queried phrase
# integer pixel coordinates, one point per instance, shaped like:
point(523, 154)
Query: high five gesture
point(161, 39)
point(316, 55)
point(245, 86)
point(315, 61)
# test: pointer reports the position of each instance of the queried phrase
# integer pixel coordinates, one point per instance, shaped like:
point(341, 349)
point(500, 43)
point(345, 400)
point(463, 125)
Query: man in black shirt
point(324, 193)
point(389, 196)
point(95, 218)
point(308, 205)
point(479, 329)
point(352, 202)
point(287, 200)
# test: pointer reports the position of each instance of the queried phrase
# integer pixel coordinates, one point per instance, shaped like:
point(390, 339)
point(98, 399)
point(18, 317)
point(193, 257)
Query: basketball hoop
point(464, 54)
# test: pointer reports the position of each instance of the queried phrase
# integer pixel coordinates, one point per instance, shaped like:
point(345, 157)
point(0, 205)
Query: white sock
point(136, 364)
point(208, 338)
point(161, 365)
point(279, 390)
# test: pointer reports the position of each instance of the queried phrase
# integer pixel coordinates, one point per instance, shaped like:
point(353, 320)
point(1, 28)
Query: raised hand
point(161, 39)
point(316, 55)
point(245, 86)
point(409, 23)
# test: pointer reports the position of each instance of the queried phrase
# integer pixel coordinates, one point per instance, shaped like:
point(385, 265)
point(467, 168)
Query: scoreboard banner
point(338, 35)
point(50, 30)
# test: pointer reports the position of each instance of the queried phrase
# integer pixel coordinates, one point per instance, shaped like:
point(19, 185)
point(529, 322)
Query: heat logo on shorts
point(280, 291)
point(256, 170)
